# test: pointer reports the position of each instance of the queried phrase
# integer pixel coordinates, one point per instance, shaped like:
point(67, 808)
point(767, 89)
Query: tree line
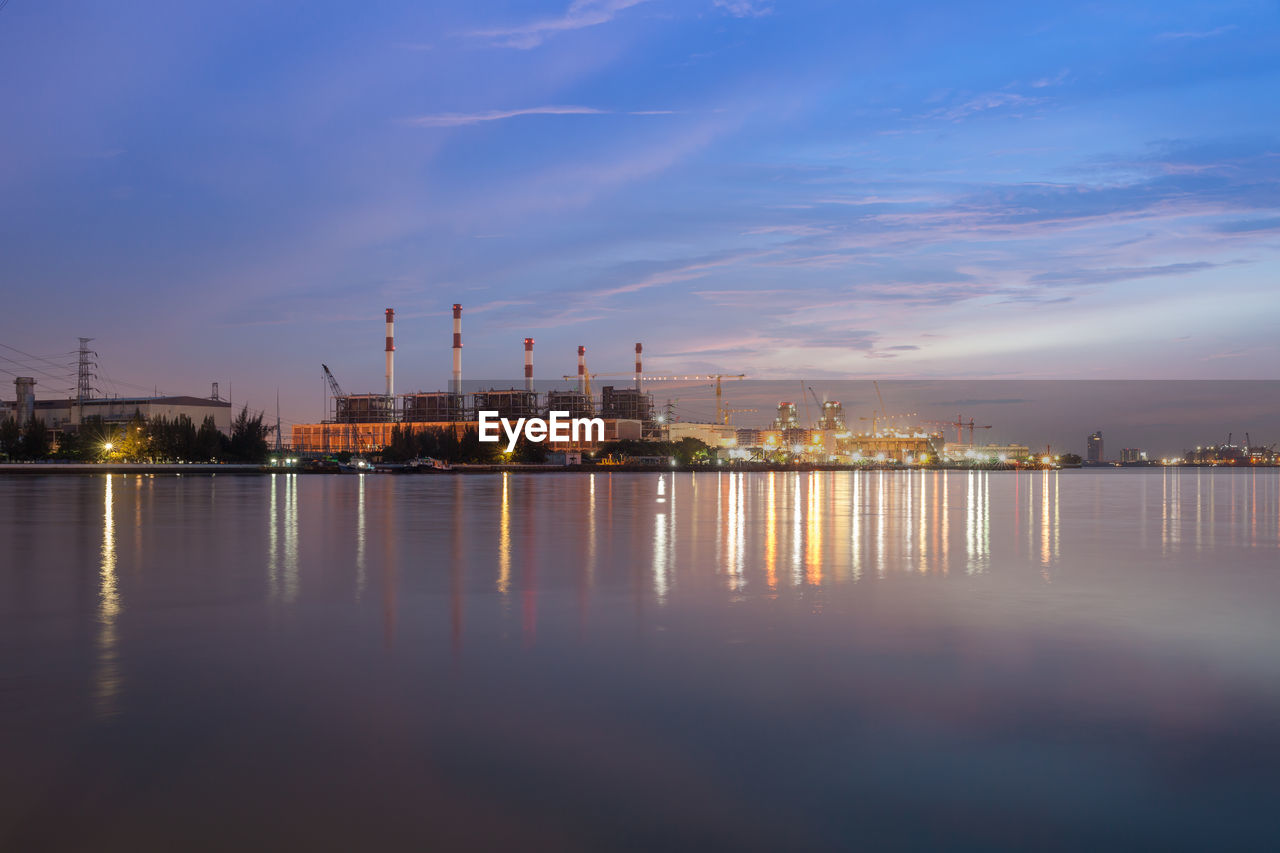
point(446, 444)
point(140, 439)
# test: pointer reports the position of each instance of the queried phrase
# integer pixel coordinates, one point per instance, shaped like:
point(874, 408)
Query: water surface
point(754, 661)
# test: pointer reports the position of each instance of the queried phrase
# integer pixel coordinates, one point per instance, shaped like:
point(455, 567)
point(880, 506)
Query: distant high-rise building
point(1095, 448)
point(1131, 455)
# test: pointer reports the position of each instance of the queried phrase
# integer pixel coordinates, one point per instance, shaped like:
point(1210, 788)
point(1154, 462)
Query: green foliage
point(529, 452)
point(172, 440)
point(10, 438)
point(90, 439)
point(37, 441)
point(139, 440)
point(438, 443)
point(249, 438)
point(209, 441)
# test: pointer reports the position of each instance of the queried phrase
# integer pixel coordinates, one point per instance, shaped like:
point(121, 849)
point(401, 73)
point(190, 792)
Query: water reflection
point(664, 536)
point(282, 538)
point(978, 521)
point(831, 528)
point(771, 532)
point(361, 569)
point(816, 521)
point(836, 525)
point(837, 614)
point(107, 676)
point(504, 531)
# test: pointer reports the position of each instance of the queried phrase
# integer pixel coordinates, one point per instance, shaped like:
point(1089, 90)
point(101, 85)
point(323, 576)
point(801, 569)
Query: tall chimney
point(528, 364)
point(582, 370)
point(638, 368)
point(457, 349)
point(391, 351)
point(24, 410)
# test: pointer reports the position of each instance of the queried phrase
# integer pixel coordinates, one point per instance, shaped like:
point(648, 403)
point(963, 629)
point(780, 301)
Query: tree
point(208, 440)
point(692, 451)
point(249, 437)
point(529, 452)
point(70, 446)
point(134, 444)
point(92, 436)
point(36, 440)
point(10, 438)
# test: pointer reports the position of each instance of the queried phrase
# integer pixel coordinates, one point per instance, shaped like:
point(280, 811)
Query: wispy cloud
point(463, 119)
point(1197, 34)
point(744, 8)
point(579, 15)
point(679, 271)
point(1107, 276)
point(984, 103)
point(1248, 226)
point(1056, 80)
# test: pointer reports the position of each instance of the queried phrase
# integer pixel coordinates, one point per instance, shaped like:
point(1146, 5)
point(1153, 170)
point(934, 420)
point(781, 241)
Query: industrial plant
point(816, 430)
point(364, 422)
point(62, 415)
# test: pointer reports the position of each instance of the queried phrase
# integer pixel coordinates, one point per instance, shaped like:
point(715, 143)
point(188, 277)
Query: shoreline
point(211, 469)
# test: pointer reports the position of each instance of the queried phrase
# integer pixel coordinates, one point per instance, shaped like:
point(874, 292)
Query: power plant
point(361, 423)
point(364, 422)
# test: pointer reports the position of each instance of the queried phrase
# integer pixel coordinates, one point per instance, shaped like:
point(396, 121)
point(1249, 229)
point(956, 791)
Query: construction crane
point(717, 377)
point(335, 390)
point(816, 402)
point(959, 423)
point(882, 414)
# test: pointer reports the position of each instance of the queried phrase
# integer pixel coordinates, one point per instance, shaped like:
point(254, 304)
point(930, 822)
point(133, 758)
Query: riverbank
point(127, 468)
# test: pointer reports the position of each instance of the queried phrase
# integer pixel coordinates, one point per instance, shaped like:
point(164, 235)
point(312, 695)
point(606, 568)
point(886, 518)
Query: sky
point(235, 191)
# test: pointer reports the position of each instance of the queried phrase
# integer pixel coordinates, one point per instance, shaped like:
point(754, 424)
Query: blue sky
point(235, 191)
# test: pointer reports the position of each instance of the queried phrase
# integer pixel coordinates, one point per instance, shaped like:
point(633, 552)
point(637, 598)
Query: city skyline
point(800, 189)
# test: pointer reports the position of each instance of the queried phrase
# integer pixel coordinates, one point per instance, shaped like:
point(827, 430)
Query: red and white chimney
point(457, 349)
point(528, 364)
point(582, 370)
point(391, 351)
point(639, 369)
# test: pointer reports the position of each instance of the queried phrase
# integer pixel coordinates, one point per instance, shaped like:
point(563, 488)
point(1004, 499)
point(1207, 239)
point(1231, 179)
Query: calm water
point(769, 661)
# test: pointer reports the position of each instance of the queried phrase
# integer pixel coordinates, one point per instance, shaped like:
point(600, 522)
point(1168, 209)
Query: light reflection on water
point(107, 679)
point(1105, 640)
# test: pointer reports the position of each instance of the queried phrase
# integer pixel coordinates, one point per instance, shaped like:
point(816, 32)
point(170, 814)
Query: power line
point(46, 359)
point(33, 369)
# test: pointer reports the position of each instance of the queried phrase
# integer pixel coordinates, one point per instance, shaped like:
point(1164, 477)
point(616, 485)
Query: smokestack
point(391, 351)
point(24, 410)
point(457, 348)
point(582, 370)
point(638, 368)
point(528, 364)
